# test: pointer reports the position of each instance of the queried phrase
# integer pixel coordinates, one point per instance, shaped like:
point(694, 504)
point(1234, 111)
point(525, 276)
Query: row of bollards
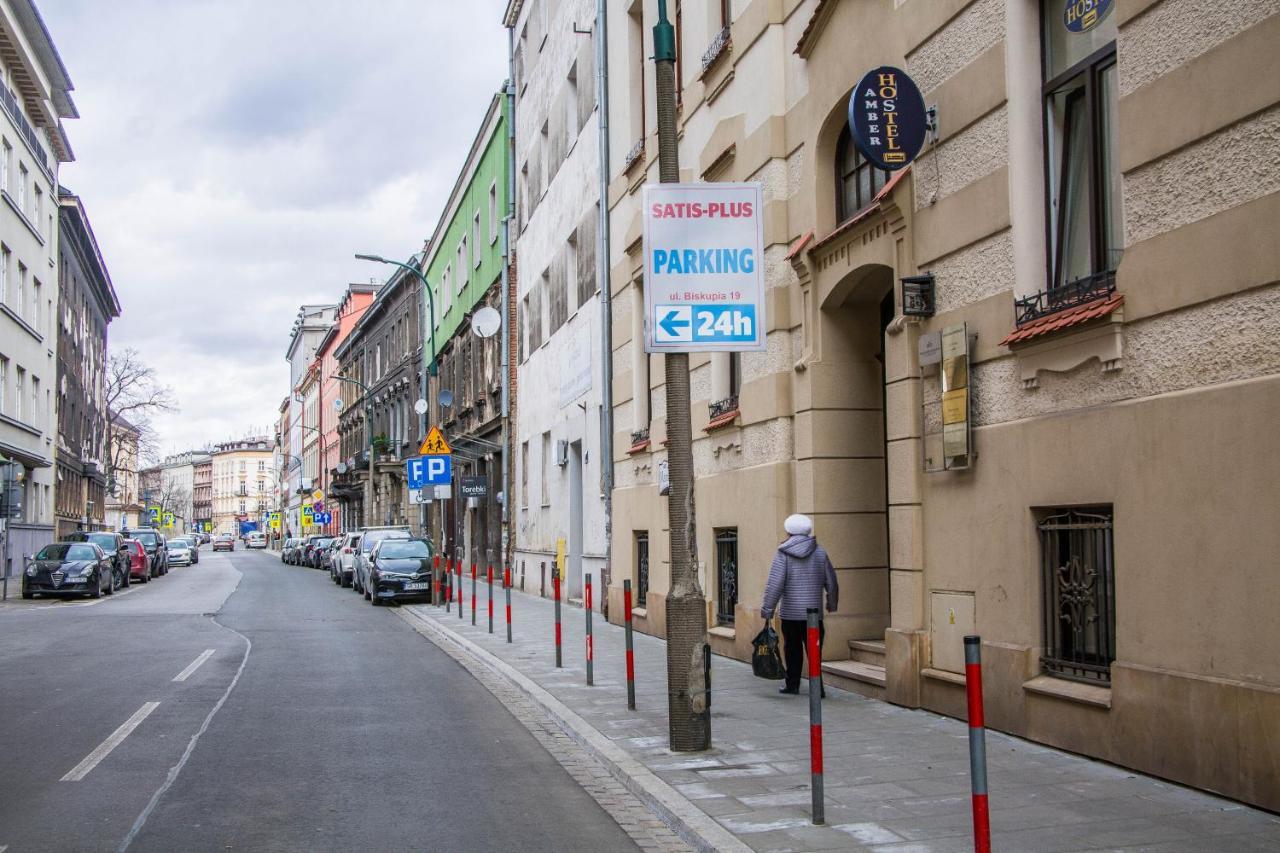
point(453, 573)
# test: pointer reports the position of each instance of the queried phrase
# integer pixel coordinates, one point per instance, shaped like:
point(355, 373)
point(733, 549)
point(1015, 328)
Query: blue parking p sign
point(423, 471)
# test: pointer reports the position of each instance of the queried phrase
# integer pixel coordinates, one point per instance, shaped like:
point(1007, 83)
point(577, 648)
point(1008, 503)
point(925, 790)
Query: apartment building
point(309, 327)
point(1063, 446)
point(241, 477)
point(124, 496)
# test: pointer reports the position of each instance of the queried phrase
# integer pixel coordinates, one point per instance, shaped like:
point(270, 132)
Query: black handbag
point(766, 660)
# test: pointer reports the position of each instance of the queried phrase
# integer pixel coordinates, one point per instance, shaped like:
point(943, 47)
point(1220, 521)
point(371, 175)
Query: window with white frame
point(446, 285)
point(6, 259)
point(20, 393)
point(4, 384)
point(6, 165)
point(475, 240)
point(524, 475)
point(39, 208)
point(23, 177)
point(20, 298)
point(493, 212)
point(546, 469)
point(463, 273)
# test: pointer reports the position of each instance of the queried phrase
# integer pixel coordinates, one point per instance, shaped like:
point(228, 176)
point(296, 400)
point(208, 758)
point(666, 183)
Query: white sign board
point(704, 267)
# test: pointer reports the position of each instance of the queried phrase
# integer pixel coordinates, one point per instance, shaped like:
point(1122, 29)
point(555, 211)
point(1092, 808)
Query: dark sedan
point(114, 546)
point(70, 568)
point(317, 552)
point(157, 548)
point(399, 569)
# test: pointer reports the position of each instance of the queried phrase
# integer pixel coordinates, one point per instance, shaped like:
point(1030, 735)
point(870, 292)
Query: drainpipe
point(602, 276)
point(507, 297)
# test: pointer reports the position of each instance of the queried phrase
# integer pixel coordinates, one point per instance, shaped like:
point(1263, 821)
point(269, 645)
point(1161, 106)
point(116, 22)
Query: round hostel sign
point(887, 117)
point(1080, 16)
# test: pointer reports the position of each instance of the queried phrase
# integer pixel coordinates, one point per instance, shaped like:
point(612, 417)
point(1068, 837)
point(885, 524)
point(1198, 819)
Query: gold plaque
point(955, 373)
point(953, 342)
point(955, 439)
point(955, 406)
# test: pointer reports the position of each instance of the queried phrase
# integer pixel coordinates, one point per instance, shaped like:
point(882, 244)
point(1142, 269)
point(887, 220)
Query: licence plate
point(412, 586)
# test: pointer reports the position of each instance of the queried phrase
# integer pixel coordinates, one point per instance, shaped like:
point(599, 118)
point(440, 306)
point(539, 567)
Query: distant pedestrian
point(800, 572)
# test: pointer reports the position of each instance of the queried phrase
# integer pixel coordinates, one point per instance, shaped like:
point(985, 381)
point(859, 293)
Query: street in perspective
point(588, 425)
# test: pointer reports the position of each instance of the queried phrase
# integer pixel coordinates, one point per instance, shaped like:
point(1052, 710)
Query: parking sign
point(704, 267)
point(422, 471)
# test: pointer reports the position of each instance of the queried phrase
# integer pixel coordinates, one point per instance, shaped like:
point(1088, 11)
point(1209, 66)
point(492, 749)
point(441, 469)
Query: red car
point(224, 542)
point(139, 562)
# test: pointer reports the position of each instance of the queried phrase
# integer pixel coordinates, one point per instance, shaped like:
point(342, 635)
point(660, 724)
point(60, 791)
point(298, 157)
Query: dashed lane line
point(194, 665)
point(104, 749)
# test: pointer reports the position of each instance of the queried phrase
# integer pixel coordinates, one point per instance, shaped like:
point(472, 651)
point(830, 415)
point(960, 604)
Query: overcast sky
point(233, 154)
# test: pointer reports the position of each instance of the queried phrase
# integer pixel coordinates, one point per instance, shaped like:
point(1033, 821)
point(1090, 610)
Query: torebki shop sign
point(704, 267)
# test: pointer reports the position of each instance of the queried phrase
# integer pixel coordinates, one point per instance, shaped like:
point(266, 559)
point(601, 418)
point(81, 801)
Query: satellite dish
point(445, 396)
point(486, 322)
point(420, 407)
point(342, 467)
point(337, 405)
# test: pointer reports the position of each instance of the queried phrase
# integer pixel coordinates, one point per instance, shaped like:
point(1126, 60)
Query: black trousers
point(793, 642)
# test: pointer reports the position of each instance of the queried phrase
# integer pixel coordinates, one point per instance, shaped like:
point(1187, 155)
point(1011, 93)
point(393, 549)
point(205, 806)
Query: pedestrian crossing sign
point(434, 445)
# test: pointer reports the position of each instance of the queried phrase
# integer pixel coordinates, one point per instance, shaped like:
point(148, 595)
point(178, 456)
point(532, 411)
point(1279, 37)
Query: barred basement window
point(642, 567)
point(726, 574)
point(1078, 579)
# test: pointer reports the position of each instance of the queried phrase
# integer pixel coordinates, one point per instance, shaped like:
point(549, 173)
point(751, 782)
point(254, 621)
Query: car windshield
point(179, 544)
point(404, 550)
point(323, 543)
point(65, 551)
point(373, 537)
point(105, 541)
point(146, 537)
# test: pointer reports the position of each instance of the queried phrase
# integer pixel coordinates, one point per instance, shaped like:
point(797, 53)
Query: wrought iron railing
point(723, 407)
point(639, 436)
point(636, 152)
point(1069, 295)
point(642, 568)
point(726, 575)
point(717, 47)
point(1078, 579)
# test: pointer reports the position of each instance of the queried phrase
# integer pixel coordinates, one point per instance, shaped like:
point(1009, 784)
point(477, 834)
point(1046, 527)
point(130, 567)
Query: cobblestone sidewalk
point(896, 779)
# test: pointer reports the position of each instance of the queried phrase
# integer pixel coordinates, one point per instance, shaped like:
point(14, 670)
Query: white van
point(256, 539)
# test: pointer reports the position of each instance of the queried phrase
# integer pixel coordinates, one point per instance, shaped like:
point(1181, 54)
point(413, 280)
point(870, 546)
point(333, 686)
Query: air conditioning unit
point(562, 453)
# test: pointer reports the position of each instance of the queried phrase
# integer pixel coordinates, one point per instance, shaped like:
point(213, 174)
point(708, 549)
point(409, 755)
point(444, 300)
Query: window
point(642, 567)
point(1077, 575)
point(726, 574)
point(735, 374)
point(857, 181)
point(726, 12)
point(22, 188)
point(635, 28)
point(462, 264)
point(585, 241)
point(493, 213)
point(1081, 173)
point(20, 393)
point(262, 465)
point(475, 241)
point(6, 166)
point(39, 208)
point(446, 287)
point(4, 383)
point(571, 102)
point(524, 475)
point(20, 298)
point(5, 259)
point(553, 279)
point(546, 469)
point(37, 318)
point(35, 399)
point(641, 392)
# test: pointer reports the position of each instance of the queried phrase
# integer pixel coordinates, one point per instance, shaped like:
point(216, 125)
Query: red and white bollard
point(631, 653)
point(506, 584)
point(977, 744)
point(448, 585)
point(590, 649)
point(489, 578)
point(435, 580)
point(813, 646)
point(555, 587)
point(458, 571)
point(473, 593)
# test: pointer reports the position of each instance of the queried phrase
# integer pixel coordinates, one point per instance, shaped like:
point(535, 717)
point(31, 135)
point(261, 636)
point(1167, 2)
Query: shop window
point(1078, 586)
point(857, 180)
point(642, 567)
point(1082, 175)
point(726, 574)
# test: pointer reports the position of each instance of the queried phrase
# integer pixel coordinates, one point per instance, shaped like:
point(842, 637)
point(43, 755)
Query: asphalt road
point(307, 721)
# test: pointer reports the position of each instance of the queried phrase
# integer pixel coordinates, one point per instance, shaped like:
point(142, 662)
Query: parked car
point(399, 569)
point(70, 568)
point(179, 552)
point(224, 542)
point(369, 537)
point(256, 539)
point(315, 554)
point(194, 544)
point(342, 567)
point(157, 548)
point(330, 554)
point(287, 549)
point(113, 545)
point(140, 568)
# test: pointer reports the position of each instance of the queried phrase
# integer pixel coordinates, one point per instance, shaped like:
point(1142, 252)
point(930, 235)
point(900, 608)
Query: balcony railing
point(722, 407)
point(636, 152)
point(1078, 292)
point(14, 109)
point(717, 47)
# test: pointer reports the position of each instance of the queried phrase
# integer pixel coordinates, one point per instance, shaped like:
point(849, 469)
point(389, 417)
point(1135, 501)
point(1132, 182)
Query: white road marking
point(104, 749)
point(191, 667)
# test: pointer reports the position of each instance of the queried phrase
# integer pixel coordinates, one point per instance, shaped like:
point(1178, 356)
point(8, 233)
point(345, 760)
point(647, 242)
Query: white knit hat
point(798, 525)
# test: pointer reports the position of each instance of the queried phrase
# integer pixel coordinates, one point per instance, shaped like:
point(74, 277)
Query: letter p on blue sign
point(422, 471)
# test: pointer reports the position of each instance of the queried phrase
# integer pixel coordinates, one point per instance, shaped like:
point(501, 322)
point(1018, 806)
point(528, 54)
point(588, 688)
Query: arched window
point(857, 181)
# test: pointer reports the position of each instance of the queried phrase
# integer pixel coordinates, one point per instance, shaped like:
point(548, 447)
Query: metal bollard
point(489, 577)
point(631, 653)
point(521, 576)
point(542, 589)
point(587, 608)
point(977, 744)
point(555, 585)
point(435, 580)
point(814, 654)
point(448, 585)
point(473, 593)
point(506, 584)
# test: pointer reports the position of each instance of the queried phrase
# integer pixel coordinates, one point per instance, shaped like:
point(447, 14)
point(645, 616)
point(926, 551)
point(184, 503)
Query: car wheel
point(125, 579)
point(113, 583)
point(146, 578)
point(375, 601)
point(97, 588)
point(365, 590)
point(27, 594)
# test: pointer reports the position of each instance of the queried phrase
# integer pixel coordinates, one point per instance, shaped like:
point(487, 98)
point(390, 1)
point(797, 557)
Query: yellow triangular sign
point(434, 445)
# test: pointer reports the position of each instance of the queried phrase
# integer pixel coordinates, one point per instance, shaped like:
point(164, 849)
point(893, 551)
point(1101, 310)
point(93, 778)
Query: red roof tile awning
point(1077, 316)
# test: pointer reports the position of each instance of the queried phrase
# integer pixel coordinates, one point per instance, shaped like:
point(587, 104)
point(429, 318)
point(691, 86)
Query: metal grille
point(642, 567)
point(1078, 576)
point(1074, 293)
point(726, 575)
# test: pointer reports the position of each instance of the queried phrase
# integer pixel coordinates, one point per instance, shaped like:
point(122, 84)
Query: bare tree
point(133, 394)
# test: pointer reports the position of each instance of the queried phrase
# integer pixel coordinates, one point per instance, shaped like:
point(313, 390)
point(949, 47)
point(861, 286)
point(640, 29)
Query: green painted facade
point(481, 189)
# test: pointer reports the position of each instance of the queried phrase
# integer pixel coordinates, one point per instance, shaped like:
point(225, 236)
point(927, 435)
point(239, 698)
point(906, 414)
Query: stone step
point(867, 651)
point(863, 678)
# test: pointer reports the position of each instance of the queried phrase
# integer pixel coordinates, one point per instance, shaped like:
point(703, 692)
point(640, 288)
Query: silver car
point(179, 552)
point(370, 536)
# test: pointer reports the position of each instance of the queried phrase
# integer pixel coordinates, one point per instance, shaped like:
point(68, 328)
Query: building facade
point(124, 506)
point(380, 362)
point(35, 97)
point(86, 304)
point(202, 493)
point(559, 491)
point(465, 266)
point(178, 487)
point(1069, 456)
point(241, 476)
point(310, 326)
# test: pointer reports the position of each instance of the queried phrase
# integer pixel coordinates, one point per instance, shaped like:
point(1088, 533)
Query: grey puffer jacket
point(801, 570)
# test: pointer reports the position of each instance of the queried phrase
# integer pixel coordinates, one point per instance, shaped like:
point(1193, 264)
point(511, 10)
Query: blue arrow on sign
point(670, 324)
point(675, 323)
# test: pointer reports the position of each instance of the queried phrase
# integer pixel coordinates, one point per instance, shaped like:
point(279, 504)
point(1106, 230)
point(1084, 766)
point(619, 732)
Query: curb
point(677, 811)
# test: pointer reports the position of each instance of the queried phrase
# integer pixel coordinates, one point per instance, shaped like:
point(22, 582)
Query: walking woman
point(801, 571)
